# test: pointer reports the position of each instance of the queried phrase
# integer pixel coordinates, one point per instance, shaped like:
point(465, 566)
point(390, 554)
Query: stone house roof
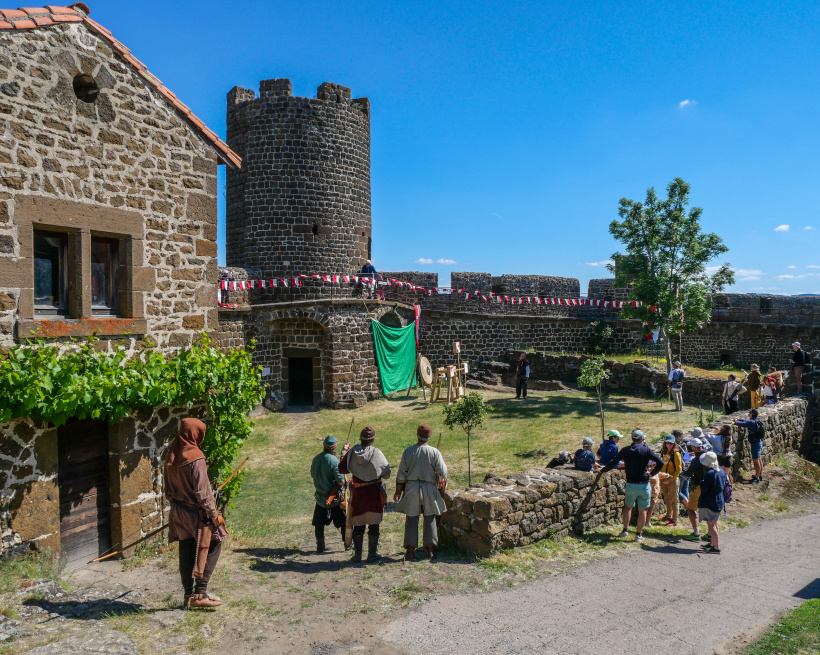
point(28, 18)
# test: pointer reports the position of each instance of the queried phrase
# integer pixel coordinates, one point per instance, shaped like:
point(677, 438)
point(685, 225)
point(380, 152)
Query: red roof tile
point(34, 17)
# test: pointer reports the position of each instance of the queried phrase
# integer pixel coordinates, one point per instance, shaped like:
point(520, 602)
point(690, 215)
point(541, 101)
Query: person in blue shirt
point(608, 450)
point(755, 442)
point(584, 457)
point(711, 499)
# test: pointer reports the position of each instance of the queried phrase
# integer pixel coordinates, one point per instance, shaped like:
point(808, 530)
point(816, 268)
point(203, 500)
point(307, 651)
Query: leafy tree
point(601, 334)
point(469, 412)
point(593, 374)
point(664, 265)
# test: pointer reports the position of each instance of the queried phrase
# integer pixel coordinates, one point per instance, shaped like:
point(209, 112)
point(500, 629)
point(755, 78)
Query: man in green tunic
point(328, 482)
point(422, 472)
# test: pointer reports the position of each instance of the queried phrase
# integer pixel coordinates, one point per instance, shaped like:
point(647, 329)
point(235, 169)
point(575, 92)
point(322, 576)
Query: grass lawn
point(715, 372)
point(276, 502)
point(797, 633)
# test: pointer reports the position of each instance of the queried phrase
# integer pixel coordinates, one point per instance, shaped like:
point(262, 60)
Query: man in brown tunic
point(195, 521)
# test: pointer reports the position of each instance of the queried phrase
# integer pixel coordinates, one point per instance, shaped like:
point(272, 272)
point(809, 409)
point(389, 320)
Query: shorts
point(706, 514)
point(639, 493)
point(757, 448)
point(655, 486)
point(694, 496)
point(725, 461)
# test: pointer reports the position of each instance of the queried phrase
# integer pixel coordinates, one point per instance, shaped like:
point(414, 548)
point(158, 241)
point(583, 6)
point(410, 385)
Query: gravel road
point(670, 599)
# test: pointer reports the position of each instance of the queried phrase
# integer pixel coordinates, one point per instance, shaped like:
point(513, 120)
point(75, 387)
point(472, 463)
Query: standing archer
point(195, 521)
point(328, 482)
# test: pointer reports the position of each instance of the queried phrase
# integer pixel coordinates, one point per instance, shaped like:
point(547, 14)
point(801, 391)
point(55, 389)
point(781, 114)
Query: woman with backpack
point(721, 441)
point(711, 500)
point(672, 467)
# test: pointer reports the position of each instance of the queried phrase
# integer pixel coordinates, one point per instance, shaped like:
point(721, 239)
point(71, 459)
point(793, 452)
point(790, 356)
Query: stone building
point(108, 193)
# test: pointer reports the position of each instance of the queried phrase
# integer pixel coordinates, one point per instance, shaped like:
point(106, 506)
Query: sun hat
point(329, 441)
point(697, 433)
point(614, 433)
point(638, 435)
point(796, 344)
point(709, 460)
point(695, 443)
point(670, 438)
point(588, 442)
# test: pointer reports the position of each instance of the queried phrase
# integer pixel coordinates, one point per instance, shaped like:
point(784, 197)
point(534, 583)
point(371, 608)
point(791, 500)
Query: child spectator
point(721, 441)
point(608, 450)
point(584, 457)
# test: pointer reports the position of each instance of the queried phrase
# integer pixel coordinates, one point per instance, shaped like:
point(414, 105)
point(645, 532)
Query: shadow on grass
point(88, 610)
point(278, 560)
point(558, 406)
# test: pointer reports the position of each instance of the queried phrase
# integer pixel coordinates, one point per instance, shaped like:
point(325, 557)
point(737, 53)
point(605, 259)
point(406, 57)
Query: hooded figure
point(194, 520)
point(421, 471)
point(369, 467)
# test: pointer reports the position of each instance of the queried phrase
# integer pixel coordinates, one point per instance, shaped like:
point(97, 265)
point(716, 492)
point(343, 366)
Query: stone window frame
point(81, 221)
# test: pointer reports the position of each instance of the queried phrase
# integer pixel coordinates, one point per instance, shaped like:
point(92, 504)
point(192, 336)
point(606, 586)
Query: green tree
point(664, 266)
point(593, 374)
point(469, 412)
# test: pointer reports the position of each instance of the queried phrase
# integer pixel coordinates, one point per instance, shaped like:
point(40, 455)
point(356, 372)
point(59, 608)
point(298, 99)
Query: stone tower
point(301, 201)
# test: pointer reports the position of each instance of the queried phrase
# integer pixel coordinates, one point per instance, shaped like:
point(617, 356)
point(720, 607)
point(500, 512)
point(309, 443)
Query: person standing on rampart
point(753, 382)
point(731, 390)
point(798, 361)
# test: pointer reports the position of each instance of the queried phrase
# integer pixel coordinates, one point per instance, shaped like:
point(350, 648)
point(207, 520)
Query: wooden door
point(85, 509)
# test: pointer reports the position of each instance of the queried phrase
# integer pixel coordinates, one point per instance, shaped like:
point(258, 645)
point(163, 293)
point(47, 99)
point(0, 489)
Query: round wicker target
point(426, 371)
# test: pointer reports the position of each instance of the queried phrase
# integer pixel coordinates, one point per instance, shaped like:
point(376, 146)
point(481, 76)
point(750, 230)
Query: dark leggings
point(187, 560)
point(371, 529)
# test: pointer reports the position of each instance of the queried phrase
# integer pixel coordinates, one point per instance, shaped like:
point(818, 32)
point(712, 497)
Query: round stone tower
point(301, 201)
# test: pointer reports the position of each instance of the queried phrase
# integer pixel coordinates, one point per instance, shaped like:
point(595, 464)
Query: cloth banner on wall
point(395, 356)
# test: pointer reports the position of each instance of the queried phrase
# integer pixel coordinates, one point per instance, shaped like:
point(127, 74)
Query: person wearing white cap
point(798, 362)
point(711, 499)
point(694, 473)
point(584, 457)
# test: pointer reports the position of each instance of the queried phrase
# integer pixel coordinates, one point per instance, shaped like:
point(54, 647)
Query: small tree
point(593, 374)
point(664, 266)
point(469, 412)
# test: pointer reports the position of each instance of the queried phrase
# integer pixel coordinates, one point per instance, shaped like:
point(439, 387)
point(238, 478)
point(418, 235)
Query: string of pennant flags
point(286, 282)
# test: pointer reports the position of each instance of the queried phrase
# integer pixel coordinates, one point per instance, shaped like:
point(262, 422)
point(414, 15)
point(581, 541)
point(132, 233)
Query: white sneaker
point(624, 533)
point(639, 537)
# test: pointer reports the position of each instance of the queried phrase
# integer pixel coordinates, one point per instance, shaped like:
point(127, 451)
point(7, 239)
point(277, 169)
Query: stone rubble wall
point(29, 493)
point(517, 510)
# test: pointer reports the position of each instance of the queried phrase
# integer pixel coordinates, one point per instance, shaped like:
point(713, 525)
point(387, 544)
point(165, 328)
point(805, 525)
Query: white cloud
point(423, 260)
point(808, 227)
point(792, 266)
point(687, 103)
point(809, 266)
point(750, 278)
point(601, 263)
point(781, 228)
point(785, 277)
point(446, 261)
point(747, 271)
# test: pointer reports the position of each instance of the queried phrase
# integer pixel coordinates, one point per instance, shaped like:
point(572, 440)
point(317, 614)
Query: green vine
point(54, 383)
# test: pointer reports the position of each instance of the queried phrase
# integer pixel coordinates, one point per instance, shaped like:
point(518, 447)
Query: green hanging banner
point(395, 356)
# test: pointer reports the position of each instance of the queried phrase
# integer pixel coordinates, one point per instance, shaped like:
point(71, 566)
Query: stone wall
point(605, 289)
point(301, 202)
point(29, 494)
point(540, 285)
point(516, 510)
point(126, 165)
point(482, 282)
point(337, 334)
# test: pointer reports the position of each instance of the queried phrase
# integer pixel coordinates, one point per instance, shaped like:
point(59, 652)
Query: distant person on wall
point(753, 382)
point(798, 361)
point(756, 431)
point(584, 457)
point(327, 482)
point(672, 467)
point(370, 271)
point(731, 390)
point(711, 500)
point(768, 392)
point(676, 385)
point(522, 374)
point(694, 474)
point(608, 450)
point(368, 466)
point(638, 459)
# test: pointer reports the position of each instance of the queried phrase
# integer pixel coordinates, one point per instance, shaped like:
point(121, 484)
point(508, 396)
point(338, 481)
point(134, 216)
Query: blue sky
point(504, 134)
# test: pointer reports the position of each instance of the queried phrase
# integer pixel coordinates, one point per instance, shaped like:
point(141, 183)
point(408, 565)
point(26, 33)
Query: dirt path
point(669, 599)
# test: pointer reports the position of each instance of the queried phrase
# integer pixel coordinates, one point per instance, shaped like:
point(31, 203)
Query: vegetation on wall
point(54, 383)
